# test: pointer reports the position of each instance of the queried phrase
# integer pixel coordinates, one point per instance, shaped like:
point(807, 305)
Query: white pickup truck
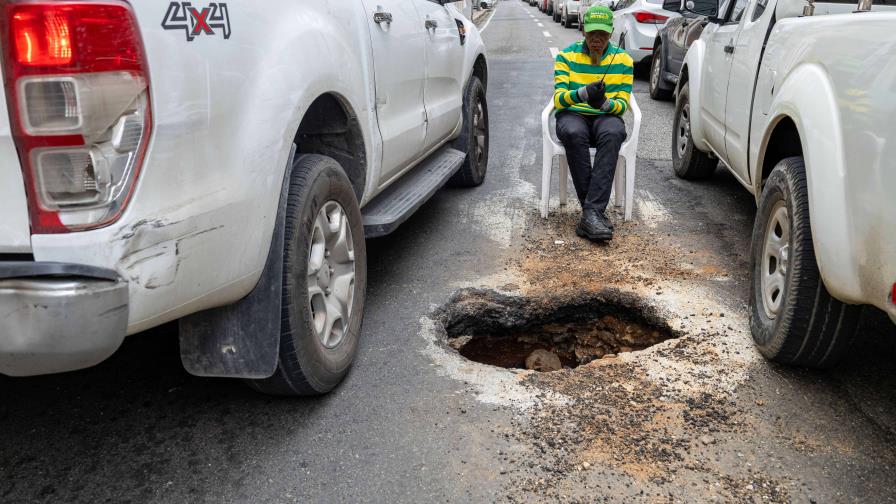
point(220, 163)
point(797, 100)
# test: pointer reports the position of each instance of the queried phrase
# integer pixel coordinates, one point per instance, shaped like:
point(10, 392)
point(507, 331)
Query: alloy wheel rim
point(684, 129)
point(479, 132)
point(775, 260)
point(655, 72)
point(331, 274)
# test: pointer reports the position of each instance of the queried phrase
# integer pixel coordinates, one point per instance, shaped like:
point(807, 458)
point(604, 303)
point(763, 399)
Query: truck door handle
point(431, 24)
point(729, 49)
point(380, 16)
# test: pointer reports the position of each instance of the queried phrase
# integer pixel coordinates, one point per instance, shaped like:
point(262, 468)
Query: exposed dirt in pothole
point(549, 333)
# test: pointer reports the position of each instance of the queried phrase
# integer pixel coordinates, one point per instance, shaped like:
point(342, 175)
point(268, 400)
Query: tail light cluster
point(77, 87)
point(650, 18)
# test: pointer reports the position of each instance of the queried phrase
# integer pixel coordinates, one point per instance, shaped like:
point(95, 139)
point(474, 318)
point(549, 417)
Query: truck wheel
point(688, 162)
point(473, 138)
point(324, 280)
point(793, 318)
point(655, 86)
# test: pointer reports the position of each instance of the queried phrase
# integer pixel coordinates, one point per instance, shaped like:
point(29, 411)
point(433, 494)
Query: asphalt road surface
point(698, 418)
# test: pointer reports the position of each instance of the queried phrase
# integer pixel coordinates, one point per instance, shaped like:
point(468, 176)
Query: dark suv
point(673, 40)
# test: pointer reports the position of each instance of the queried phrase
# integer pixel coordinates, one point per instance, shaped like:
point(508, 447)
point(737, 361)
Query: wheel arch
point(331, 127)
point(480, 70)
point(691, 72)
point(806, 118)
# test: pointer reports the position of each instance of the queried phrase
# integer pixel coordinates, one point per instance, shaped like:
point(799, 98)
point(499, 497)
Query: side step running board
point(394, 205)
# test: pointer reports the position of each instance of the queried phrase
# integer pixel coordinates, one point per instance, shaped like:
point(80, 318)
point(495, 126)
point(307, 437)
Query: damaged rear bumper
point(57, 317)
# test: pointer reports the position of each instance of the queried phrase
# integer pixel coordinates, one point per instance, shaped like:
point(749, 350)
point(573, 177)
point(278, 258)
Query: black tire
point(688, 162)
point(659, 90)
point(305, 366)
point(809, 327)
point(475, 126)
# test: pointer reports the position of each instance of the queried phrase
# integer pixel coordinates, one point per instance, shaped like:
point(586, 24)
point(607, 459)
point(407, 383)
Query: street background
point(699, 418)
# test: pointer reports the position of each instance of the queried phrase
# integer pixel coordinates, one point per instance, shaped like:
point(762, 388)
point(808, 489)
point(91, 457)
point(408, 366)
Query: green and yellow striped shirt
point(573, 69)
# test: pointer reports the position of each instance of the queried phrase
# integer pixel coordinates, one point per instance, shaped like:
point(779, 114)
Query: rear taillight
point(893, 294)
point(77, 87)
point(650, 18)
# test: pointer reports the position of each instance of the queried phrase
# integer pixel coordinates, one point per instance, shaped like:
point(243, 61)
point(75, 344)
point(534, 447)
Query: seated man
point(592, 85)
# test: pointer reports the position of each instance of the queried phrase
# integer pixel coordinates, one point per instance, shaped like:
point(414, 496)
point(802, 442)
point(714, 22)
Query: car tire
point(323, 230)
point(474, 137)
point(793, 318)
point(659, 90)
point(688, 162)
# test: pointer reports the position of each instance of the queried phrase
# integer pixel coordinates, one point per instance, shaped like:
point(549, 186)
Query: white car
point(636, 24)
point(797, 101)
point(220, 164)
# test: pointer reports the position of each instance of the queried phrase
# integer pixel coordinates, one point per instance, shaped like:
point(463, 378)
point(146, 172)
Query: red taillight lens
point(650, 18)
point(77, 88)
point(893, 294)
point(41, 38)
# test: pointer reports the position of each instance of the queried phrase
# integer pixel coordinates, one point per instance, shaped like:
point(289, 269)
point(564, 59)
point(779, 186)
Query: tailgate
point(15, 233)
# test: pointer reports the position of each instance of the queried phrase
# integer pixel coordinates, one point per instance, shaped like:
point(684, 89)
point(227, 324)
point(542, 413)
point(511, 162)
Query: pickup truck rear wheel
point(473, 138)
point(793, 318)
point(324, 280)
point(687, 161)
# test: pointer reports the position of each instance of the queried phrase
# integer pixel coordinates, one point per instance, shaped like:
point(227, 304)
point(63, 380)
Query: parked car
point(797, 101)
point(557, 9)
point(546, 6)
point(487, 4)
point(672, 43)
point(155, 170)
point(636, 24)
point(569, 13)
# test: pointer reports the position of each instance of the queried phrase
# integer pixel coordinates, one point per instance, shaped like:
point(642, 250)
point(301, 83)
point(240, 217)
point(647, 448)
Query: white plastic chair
point(624, 180)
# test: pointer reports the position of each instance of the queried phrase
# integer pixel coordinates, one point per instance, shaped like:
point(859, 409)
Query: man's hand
point(594, 94)
point(597, 95)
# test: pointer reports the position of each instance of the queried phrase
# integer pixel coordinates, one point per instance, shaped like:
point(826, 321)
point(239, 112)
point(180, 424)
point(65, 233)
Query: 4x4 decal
point(197, 21)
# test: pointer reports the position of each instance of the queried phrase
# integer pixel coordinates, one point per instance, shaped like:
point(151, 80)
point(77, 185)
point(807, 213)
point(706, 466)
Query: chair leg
point(629, 186)
point(619, 180)
point(547, 160)
point(564, 178)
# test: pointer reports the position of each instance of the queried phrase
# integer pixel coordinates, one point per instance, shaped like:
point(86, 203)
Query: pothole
point(549, 332)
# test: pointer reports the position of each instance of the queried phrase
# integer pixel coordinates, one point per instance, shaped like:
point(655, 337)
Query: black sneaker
point(606, 220)
point(592, 227)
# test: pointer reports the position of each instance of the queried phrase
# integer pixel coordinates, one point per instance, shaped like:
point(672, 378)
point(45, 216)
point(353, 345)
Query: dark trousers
point(578, 133)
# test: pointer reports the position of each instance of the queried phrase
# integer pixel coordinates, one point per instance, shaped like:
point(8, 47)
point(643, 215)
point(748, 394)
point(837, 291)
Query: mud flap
point(242, 340)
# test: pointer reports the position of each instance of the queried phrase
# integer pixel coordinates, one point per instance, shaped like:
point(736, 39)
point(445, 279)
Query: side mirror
point(672, 5)
point(706, 8)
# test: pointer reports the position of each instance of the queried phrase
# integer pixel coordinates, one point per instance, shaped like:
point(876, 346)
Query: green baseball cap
point(598, 17)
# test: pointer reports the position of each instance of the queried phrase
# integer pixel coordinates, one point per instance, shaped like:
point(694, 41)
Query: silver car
point(566, 12)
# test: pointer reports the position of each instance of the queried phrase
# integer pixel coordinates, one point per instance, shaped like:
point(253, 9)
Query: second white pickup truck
point(220, 163)
point(797, 100)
